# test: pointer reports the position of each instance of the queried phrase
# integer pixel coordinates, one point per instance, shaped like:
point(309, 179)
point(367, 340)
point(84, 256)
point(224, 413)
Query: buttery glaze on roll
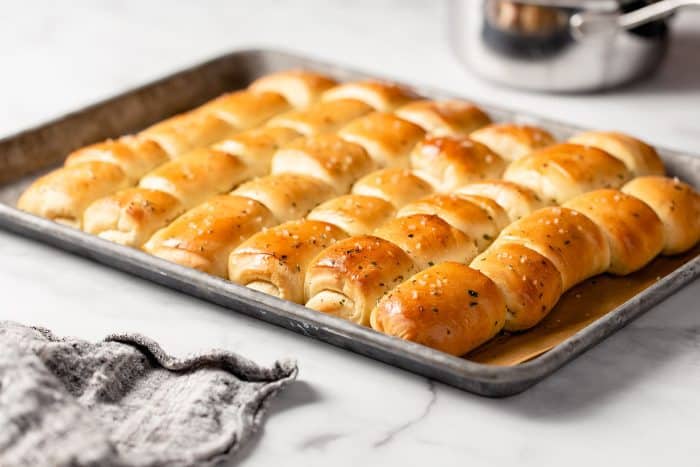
point(204, 236)
point(639, 157)
point(256, 147)
point(323, 117)
point(633, 230)
point(387, 138)
point(326, 157)
point(512, 141)
point(449, 307)
point(381, 95)
point(301, 88)
point(244, 109)
point(678, 206)
point(518, 201)
point(530, 283)
point(563, 171)
point(275, 261)
point(443, 118)
point(348, 278)
point(397, 186)
point(354, 214)
point(449, 162)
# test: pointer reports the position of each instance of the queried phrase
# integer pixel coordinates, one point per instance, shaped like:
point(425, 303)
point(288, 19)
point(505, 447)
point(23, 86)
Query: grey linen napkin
point(124, 401)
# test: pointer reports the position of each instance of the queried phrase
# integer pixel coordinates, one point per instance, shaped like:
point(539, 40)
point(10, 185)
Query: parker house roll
point(446, 117)
point(518, 201)
point(382, 96)
point(244, 110)
point(396, 185)
point(512, 141)
point(639, 157)
point(300, 88)
point(354, 214)
point(322, 117)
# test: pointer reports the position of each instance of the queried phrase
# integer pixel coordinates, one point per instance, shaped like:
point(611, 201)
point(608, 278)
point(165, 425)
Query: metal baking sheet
point(27, 154)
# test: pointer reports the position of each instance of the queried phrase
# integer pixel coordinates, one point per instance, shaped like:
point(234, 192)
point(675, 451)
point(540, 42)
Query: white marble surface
point(631, 399)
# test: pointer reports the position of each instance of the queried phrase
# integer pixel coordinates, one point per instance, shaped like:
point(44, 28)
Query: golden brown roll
point(197, 175)
point(461, 213)
point(678, 206)
point(131, 216)
point(323, 117)
point(449, 162)
point(204, 236)
point(63, 195)
point(245, 109)
point(348, 278)
point(571, 241)
point(275, 261)
point(639, 157)
point(301, 88)
point(133, 155)
point(288, 196)
point(449, 307)
point(397, 186)
point(387, 138)
point(326, 157)
point(354, 214)
point(442, 118)
point(518, 201)
point(381, 95)
point(428, 240)
point(185, 132)
point(633, 230)
point(255, 147)
point(563, 171)
point(512, 141)
point(529, 282)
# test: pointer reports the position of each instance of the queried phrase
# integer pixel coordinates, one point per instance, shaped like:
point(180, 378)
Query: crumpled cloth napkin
point(125, 402)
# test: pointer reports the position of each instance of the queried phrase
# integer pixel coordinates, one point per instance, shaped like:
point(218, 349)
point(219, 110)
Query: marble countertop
point(632, 398)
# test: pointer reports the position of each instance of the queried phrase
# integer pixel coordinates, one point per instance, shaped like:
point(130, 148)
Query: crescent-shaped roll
point(63, 194)
point(348, 278)
point(256, 147)
point(397, 186)
point(275, 261)
point(323, 117)
point(571, 241)
point(518, 201)
point(131, 216)
point(185, 132)
point(461, 213)
point(634, 231)
point(639, 157)
point(678, 206)
point(512, 141)
point(133, 155)
point(448, 162)
point(382, 96)
point(529, 282)
point(563, 171)
point(204, 236)
point(326, 157)
point(449, 307)
point(387, 138)
point(288, 196)
point(354, 214)
point(301, 88)
point(428, 240)
point(447, 117)
point(244, 109)
point(197, 175)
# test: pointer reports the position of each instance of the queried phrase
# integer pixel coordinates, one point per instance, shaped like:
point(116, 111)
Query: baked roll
point(530, 283)
point(449, 307)
point(354, 214)
point(63, 195)
point(639, 157)
point(275, 261)
point(204, 236)
point(512, 141)
point(301, 88)
point(397, 186)
point(633, 230)
point(382, 96)
point(323, 117)
point(129, 217)
point(563, 171)
point(518, 201)
point(444, 118)
point(349, 277)
point(678, 206)
point(185, 132)
point(387, 138)
point(326, 157)
point(288, 196)
point(244, 109)
point(448, 162)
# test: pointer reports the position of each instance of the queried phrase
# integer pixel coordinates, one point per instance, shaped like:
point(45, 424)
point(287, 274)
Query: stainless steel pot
point(562, 45)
